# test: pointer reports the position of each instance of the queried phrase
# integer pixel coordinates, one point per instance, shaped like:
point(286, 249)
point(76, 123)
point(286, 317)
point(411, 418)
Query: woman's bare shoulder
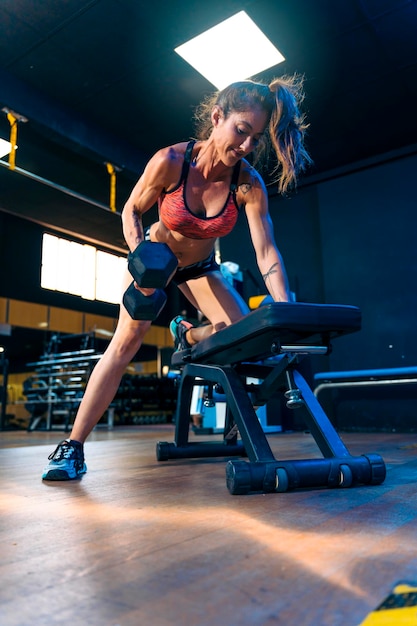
point(167, 162)
point(172, 154)
point(249, 179)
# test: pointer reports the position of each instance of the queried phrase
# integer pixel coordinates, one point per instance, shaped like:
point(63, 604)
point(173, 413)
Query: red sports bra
point(176, 215)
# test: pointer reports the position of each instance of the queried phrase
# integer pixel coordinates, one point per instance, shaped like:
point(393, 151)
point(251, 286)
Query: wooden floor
point(137, 542)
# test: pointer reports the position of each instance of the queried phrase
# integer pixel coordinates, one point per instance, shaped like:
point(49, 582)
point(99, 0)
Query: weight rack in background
point(56, 387)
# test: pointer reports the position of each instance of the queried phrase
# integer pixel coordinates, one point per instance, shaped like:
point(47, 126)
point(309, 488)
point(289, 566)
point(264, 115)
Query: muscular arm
point(160, 173)
point(268, 257)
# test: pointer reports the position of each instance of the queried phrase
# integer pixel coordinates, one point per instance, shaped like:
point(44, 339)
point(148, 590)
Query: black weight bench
point(267, 345)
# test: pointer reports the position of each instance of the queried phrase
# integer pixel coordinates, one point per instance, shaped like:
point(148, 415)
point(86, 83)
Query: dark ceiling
point(99, 81)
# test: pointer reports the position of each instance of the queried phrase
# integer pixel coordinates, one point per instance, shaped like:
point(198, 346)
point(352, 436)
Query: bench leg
point(254, 443)
point(319, 424)
point(280, 476)
point(264, 472)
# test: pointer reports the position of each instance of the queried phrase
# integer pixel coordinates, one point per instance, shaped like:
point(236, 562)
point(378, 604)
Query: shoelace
point(63, 451)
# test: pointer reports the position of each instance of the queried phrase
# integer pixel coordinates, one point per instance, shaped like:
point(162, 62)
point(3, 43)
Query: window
point(81, 270)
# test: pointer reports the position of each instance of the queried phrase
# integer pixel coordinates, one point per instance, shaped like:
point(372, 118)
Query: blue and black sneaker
point(66, 462)
point(178, 328)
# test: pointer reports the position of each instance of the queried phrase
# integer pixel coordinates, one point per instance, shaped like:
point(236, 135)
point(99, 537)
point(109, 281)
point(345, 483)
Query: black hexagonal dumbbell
point(152, 265)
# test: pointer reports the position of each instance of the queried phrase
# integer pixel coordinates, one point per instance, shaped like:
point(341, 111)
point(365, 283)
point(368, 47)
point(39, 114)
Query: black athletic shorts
point(195, 270)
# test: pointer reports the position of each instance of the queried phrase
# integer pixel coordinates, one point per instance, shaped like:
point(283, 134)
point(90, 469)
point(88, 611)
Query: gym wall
point(352, 240)
point(36, 313)
point(20, 258)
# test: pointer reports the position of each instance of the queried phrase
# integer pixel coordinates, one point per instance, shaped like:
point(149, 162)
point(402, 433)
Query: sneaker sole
point(57, 474)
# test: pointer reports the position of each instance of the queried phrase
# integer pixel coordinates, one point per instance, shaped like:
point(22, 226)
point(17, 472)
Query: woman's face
point(238, 135)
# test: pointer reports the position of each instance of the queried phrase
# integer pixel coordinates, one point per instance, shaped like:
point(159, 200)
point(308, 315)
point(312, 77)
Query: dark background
point(99, 81)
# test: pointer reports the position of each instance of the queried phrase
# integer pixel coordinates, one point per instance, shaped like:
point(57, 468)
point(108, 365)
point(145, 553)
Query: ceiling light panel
point(235, 49)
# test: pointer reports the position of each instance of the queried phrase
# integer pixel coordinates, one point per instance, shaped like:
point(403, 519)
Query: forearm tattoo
point(272, 270)
point(137, 223)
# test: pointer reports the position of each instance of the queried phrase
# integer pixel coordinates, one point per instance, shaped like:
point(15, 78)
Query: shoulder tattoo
point(252, 183)
point(245, 187)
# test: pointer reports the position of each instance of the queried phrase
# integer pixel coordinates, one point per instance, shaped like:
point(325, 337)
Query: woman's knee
point(129, 334)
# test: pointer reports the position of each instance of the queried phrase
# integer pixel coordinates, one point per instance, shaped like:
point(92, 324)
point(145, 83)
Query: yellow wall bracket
point(13, 118)
point(112, 169)
point(13, 140)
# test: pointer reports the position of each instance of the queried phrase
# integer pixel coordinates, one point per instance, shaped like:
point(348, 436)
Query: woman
point(200, 187)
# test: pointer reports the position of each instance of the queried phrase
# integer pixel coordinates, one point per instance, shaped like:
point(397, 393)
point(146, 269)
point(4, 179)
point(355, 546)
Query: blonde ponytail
point(287, 127)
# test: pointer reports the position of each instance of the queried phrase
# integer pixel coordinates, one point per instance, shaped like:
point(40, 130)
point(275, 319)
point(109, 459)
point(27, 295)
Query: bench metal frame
point(268, 345)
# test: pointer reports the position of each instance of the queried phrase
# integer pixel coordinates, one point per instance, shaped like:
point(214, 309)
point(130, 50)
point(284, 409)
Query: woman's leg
point(107, 374)
point(67, 461)
point(217, 300)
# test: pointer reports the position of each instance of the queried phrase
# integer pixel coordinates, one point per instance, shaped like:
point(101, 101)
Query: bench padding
point(260, 333)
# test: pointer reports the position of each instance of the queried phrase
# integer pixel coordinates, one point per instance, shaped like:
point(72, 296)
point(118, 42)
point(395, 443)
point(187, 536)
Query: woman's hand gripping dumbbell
point(152, 266)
